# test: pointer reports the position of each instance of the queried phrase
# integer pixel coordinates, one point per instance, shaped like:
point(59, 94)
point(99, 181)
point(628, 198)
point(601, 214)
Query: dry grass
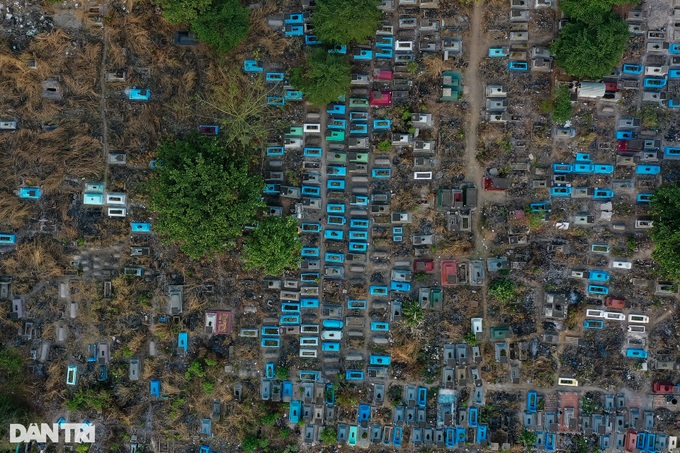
point(262, 35)
point(61, 160)
point(434, 66)
point(34, 261)
point(404, 349)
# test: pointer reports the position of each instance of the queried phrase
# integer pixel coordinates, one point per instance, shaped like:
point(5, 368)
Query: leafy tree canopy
point(241, 104)
point(345, 21)
point(665, 208)
point(224, 26)
point(274, 245)
point(203, 194)
point(591, 51)
point(323, 78)
point(590, 11)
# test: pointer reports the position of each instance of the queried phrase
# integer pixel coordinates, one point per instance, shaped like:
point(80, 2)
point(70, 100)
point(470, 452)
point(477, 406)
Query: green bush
point(562, 108)
point(470, 338)
point(281, 373)
point(527, 438)
point(412, 312)
point(503, 290)
point(183, 11)
point(195, 369)
point(89, 399)
point(270, 418)
point(11, 362)
point(250, 443)
point(384, 146)
point(328, 435)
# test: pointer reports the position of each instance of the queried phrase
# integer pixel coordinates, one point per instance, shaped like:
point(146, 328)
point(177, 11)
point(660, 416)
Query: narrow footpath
point(473, 169)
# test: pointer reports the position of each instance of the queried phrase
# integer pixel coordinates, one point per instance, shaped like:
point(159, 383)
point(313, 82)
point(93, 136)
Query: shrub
point(562, 108)
point(412, 312)
point(384, 146)
point(503, 290)
point(270, 418)
point(281, 373)
point(328, 435)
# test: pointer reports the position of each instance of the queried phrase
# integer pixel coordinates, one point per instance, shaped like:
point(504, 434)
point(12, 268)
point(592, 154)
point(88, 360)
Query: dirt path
point(473, 170)
point(323, 181)
point(102, 107)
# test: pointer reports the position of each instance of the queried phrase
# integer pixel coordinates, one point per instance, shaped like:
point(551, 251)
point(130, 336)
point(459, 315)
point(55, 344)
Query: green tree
point(346, 21)
point(240, 104)
point(590, 11)
point(224, 26)
point(591, 51)
point(503, 290)
point(274, 245)
point(203, 195)
point(665, 209)
point(562, 108)
point(323, 78)
point(328, 435)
